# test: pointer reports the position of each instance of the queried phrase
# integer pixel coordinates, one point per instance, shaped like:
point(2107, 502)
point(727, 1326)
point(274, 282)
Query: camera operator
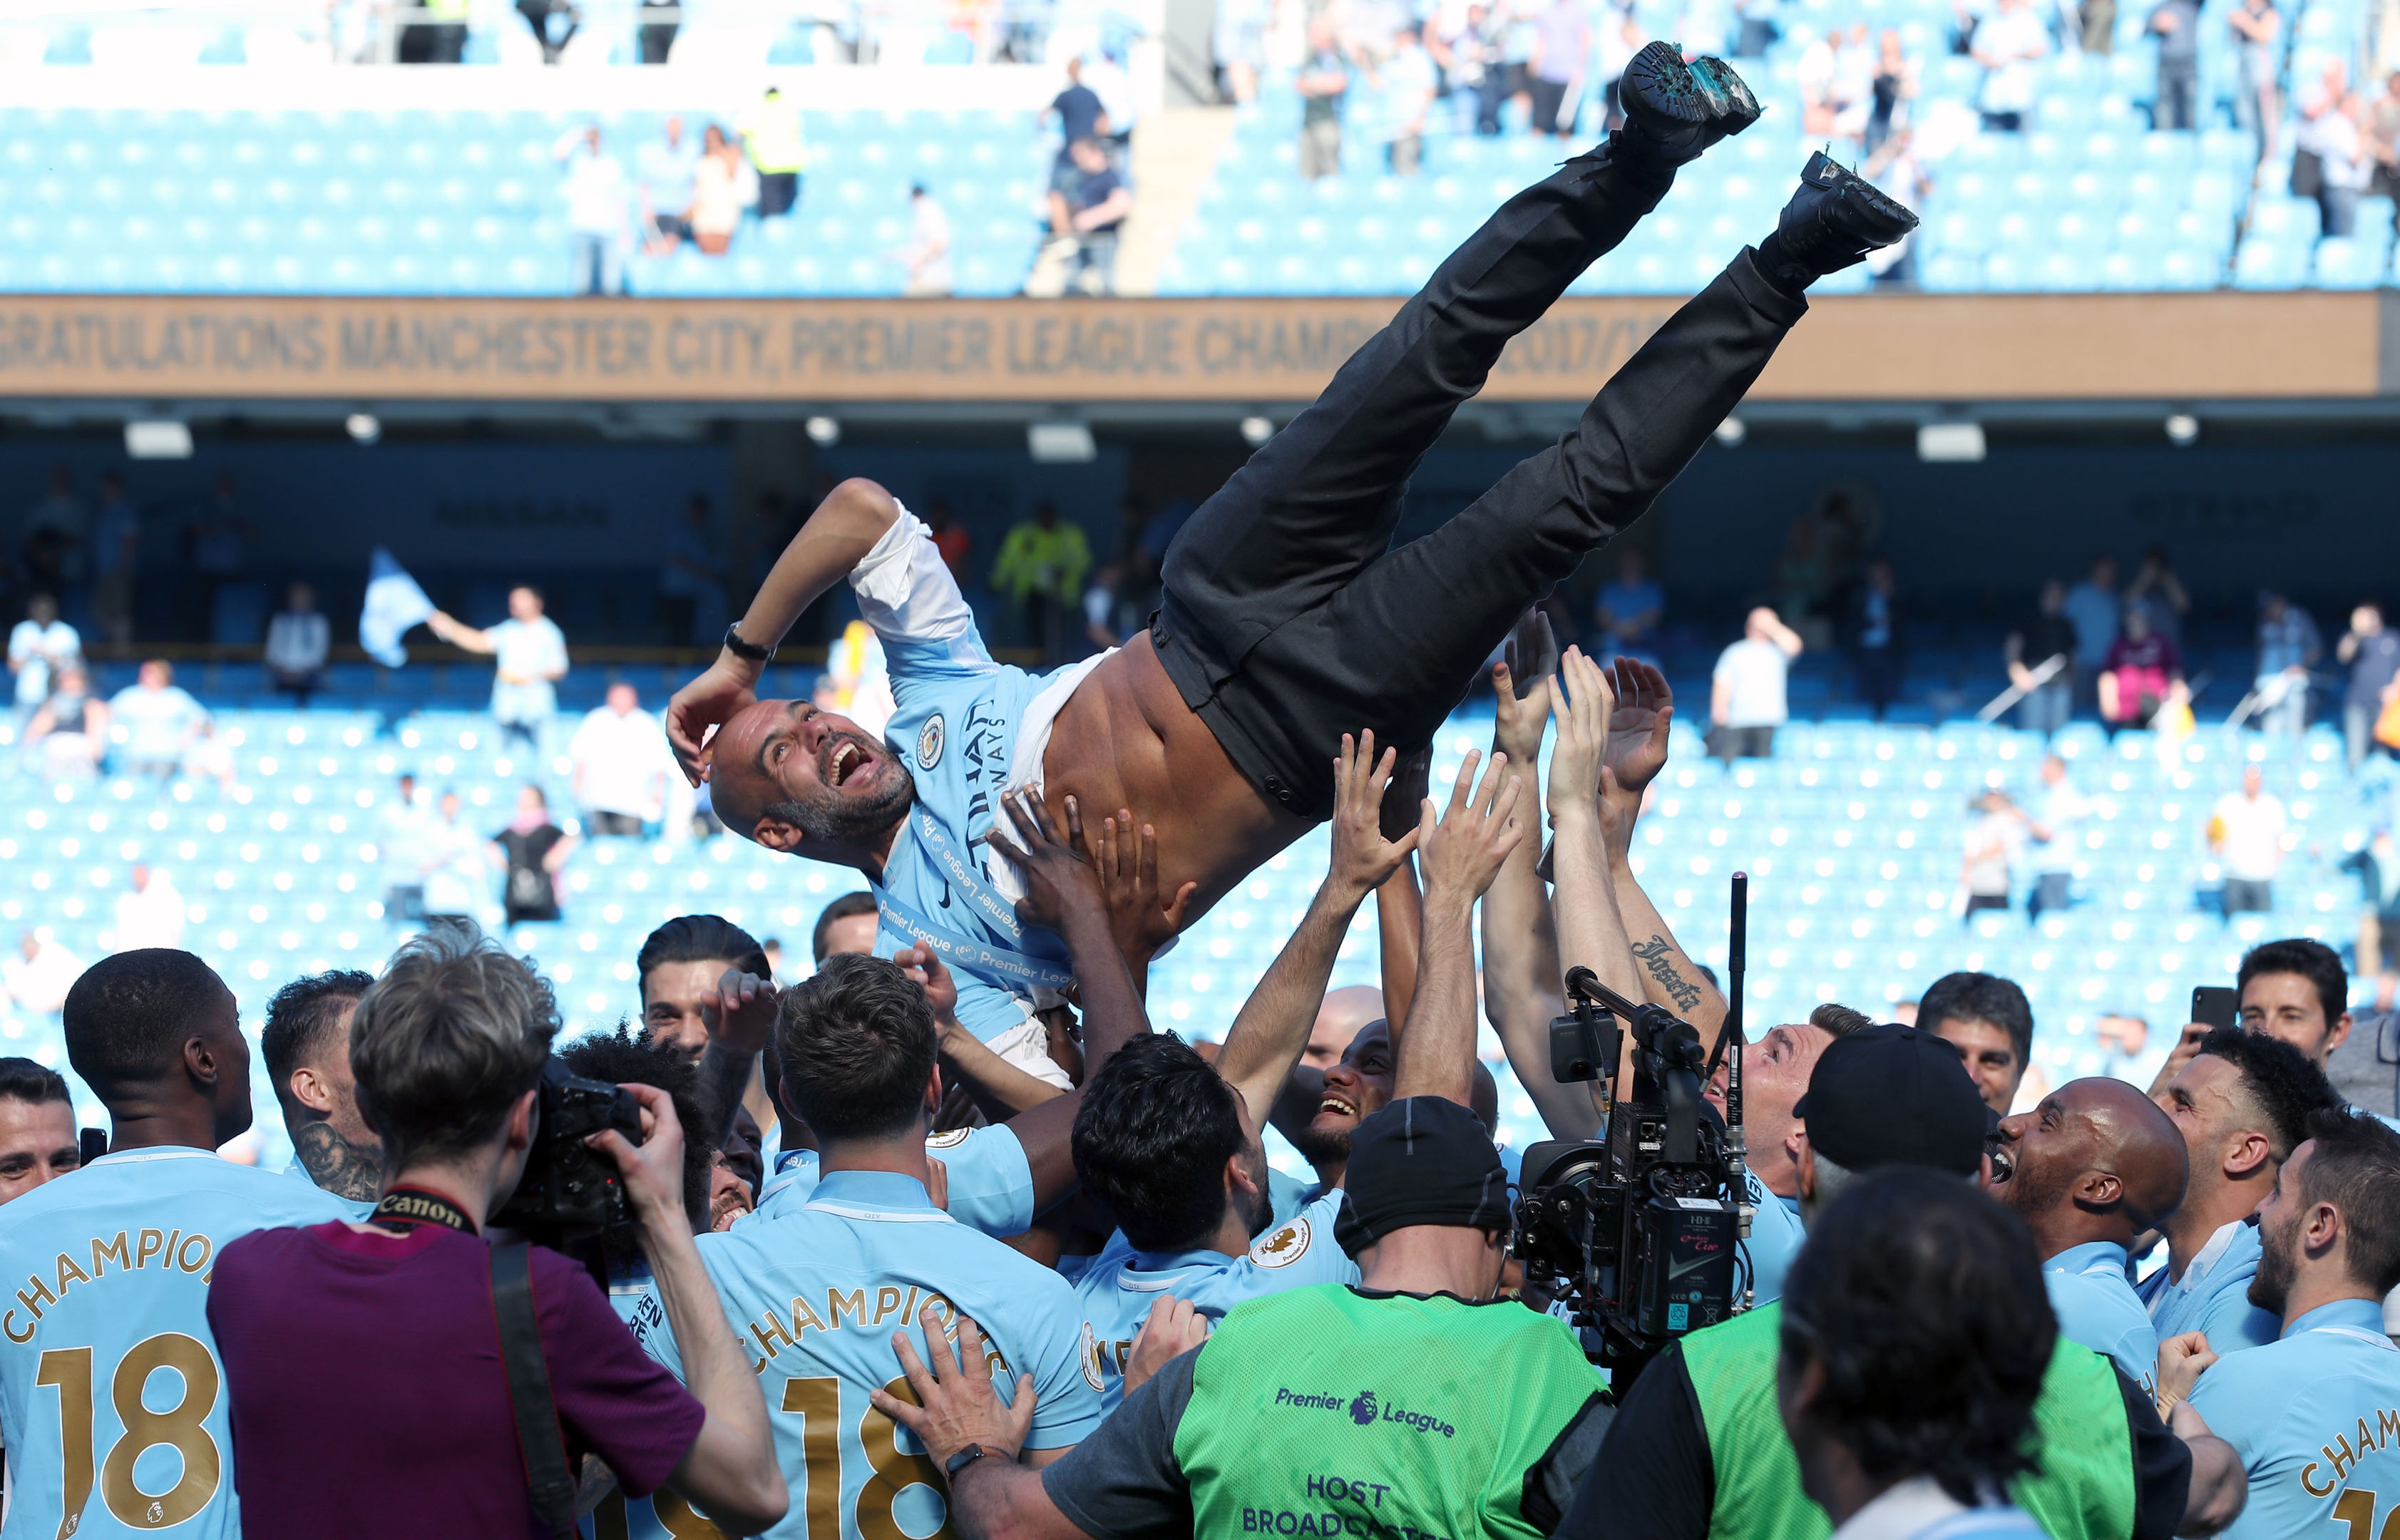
point(1915, 1337)
point(2242, 1105)
point(105, 1273)
point(2312, 1412)
point(1696, 1450)
point(307, 1045)
point(2092, 1167)
point(1366, 1411)
point(449, 1048)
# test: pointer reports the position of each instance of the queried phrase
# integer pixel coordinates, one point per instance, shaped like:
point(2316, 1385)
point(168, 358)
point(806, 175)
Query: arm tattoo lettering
point(335, 1166)
point(1653, 954)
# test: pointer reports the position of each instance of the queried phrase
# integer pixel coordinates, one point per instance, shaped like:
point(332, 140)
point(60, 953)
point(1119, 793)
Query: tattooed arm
point(336, 1164)
point(1637, 752)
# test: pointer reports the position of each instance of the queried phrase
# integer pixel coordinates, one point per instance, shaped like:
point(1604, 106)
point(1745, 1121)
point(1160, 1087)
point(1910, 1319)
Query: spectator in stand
point(772, 137)
point(2377, 867)
point(2315, 102)
point(400, 829)
point(926, 258)
point(691, 587)
point(70, 728)
point(1105, 73)
point(2140, 673)
point(1989, 1021)
point(2007, 45)
point(150, 912)
point(666, 169)
point(1240, 46)
point(529, 652)
point(1097, 212)
point(2289, 645)
point(219, 537)
point(451, 857)
point(1554, 73)
point(50, 539)
point(1891, 89)
point(2177, 22)
point(950, 537)
point(40, 975)
point(1993, 841)
point(157, 721)
point(40, 646)
point(531, 851)
point(1080, 116)
point(2094, 607)
point(1895, 168)
point(2158, 590)
point(1041, 570)
point(1617, 38)
point(1875, 638)
point(1746, 698)
point(2382, 137)
point(2346, 163)
point(620, 766)
point(2248, 832)
point(2056, 827)
point(716, 194)
point(2372, 654)
point(1406, 83)
point(298, 640)
point(115, 560)
point(596, 194)
point(2046, 635)
point(1324, 81)
point(1628, 611)
point(37, 1128)
point(2258, 26)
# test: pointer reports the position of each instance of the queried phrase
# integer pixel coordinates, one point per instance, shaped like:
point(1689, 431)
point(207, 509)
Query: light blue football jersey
point(1116, 1293)
point(953, 726)
point(2213, 1296)
point(2315, 1416)
point(2098, 1309)
point(664, 1515)
point(1286, 1196)
point(989, 1181)
point(113, 1402)
point(815, 1298)
point(1776, 1235)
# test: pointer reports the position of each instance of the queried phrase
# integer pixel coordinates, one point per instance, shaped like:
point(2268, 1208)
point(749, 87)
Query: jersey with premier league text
point(1116, 1294)
point(2315, 1416)
point(989, 1181)
point(954, 724)
point(112, 1397)
point(2097, 1308)
point(815, 1298)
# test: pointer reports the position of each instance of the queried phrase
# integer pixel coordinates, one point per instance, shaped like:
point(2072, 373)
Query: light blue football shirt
point(2315, 1416)
point(104, 1280)
point(2098, 1309)
point(954, 725)
point(1775, 1236)
point(990, 1180)
point(1115, 1294)
point(1286, 1196)
point(2213, 1296)
point(815, 1298)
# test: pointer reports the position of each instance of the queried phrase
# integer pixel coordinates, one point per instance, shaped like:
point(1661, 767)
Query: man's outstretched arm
point(834, 541)
point(1638, 732)
point(1592, 932)
point(1434, 1054)
point(1271, 1031)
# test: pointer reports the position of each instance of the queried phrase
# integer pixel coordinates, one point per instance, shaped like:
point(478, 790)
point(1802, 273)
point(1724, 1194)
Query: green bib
point(1325, 1412)
point(2084, 1490)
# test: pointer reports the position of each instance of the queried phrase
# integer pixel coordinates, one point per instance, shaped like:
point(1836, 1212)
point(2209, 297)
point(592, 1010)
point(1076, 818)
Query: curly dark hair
point(1922, 1300)
point(622, 1057)
point(2285, 1085)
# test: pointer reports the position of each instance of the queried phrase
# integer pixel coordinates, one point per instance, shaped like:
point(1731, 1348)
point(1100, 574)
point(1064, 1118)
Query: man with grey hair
point(449, 1049)
point(1691, 1453)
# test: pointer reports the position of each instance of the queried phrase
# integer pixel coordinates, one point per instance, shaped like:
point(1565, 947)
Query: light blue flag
point(394, 604)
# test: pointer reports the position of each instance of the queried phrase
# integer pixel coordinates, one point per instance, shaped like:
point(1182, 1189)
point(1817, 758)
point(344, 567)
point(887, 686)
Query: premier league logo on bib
point(929, 742)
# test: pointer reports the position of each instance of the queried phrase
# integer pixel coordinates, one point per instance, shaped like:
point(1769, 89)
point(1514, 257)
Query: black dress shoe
point(1835, 219)
point(1673, 110)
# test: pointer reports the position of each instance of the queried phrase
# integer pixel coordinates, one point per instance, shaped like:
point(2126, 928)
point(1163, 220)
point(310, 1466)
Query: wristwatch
point(747, 651)
point(962, 1460)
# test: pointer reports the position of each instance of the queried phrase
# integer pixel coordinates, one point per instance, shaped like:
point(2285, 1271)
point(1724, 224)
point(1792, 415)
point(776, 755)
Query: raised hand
point(1637, 729)
point(1581, 700)
point(703, 706)
point(925, 965)
point(1362, 856)
point(1058, 880)
point(1464, 849)
point(1128, 869)
point(745, 1011)
point(2182, 1359)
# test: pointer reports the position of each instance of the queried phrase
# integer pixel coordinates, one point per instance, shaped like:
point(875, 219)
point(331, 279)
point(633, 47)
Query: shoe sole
point(1666, 84)
point(1741, 108)
point(1824, 169)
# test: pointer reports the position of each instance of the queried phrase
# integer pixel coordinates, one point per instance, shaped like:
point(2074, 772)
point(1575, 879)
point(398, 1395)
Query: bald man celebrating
point(2095, 1165)
point(1289, 618)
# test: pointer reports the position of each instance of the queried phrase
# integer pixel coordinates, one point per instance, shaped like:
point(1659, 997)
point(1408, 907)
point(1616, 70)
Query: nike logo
point(1676, 1270)
point(945, 895)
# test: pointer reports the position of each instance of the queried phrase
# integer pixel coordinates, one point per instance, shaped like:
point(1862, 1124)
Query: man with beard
point(306, 1045)
point(2242, 1105)
point(1288, 617)
point(2092, 1167)
point(2316, 1415)
point(1170, 1148)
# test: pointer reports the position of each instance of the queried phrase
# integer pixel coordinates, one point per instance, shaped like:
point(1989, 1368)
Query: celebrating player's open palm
point(1464, 849)
point(1581, 700)
point(1362, 857)
point(1638, 727)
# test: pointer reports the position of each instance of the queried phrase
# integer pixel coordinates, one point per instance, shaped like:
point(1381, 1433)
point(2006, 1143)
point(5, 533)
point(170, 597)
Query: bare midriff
point(1125, 738)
